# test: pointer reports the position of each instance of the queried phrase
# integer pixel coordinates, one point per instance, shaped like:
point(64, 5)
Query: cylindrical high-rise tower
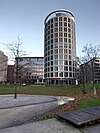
point(59, 48)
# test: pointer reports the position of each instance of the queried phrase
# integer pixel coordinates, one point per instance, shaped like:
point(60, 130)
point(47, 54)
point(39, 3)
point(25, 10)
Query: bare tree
point(80, 74)
point(17, 52)
point(90, 54)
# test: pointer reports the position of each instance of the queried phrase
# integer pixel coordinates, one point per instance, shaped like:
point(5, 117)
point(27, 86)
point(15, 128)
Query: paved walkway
point(46, 126)
point(8, 101)
point(14, 112)
point(50, 126)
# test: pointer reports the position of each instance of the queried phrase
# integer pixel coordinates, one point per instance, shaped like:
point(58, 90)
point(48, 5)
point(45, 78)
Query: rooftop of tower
point(60, 12)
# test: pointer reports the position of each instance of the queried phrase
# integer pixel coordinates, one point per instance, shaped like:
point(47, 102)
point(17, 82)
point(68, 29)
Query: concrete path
point(46, 126)
point(8, 101)
point(91, 129)
point(50, 126)
point(14, 112)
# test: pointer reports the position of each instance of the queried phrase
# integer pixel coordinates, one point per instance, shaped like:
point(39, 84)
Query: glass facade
point(34, 67)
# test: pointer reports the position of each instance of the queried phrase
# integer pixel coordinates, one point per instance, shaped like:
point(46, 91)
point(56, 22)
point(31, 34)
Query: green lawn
point(46, 90)
point(85, 103)
point(83, 100)
point(41, 90)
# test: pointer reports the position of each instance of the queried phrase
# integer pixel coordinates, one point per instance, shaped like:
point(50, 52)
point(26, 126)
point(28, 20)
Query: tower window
point(61, 61)
point(51, 74)
point(65, 51)
point(51, 25)
point(56, 45)
point(56, 24)
point(65, 39)
point(69, 35)
point(56, 29)
point(66, 63)
point(70, 69)
point(68, 25)
point(66, 68)
point(60, 28)
point(56, 68)
point(56, 34)
point(70, 62)
point(51, 20)
point(65, 45)
point(69, 45)
point(51, 63)
point(48, 27)
point(56, 39)
point(69, 51)
point(51, 30)
point(69, 40)
point(65, 56)
point(56, 62)
point(65, 19)
point(48, 32)
point(65, 29)
point(60, 45)
point(51, 51)
point(56, 51)
point(69, 30)
point(52, 57)
point(51, 35)
point(56, 56)
point(51, 68)
point(60, 39)
point(68, 19)
point(61, 74)
point(66, 74)
point(69, 57)
point(65, 24)
point(65, 34)
point(60, 50)
point(51, 46)
point(56, 74)
point(70, 74)
point(60, 23)
point(60, 18)
point(60, 34)
point(52, 41)
point(56, 19)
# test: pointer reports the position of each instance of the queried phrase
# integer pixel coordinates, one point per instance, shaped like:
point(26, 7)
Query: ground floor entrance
point(60, 81)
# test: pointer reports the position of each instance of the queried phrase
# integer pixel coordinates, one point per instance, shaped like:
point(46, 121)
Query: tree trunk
point(15, 94)
point(93, 76)
point(94, 91)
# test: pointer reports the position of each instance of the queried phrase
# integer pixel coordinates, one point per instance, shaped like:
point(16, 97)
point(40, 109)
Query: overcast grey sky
point(26, 17)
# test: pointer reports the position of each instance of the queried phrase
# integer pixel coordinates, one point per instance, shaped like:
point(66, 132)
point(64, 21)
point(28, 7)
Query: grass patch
point(68, 90)
point(85, 103)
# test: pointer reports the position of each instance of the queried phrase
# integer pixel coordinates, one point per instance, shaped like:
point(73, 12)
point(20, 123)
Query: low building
point(3, 67)
point(90, 71)
point(31, 70)
point(10, 74)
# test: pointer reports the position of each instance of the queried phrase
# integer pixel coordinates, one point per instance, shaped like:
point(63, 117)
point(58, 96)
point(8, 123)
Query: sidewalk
point(50, 126)
point(14, 112)
point(46, 126)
